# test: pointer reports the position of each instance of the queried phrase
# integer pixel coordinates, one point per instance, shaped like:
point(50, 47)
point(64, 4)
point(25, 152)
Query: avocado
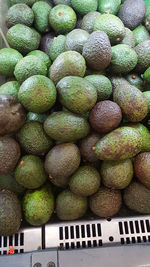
point(140, 34)
point(85, 181)
point(33, 138)
point(109, 6)
point(102, 85)
point(62, 19)
point(41, 55)
point(70, 206)
point(23, 38)
point(12, 114)
point(10, 88)
point(19, 14)
point(124, 59)
point(63, 2)
point(136, 108)
point(145, 134)
point(88, 21)
point(41, 11)
point(46, 40)
point(106, 202)
point(135, 80)
point(85, 146)
point(69, 63)
point(61, 162)
point(137, 198)
point(31, 116)
point(30, 172)
point(8, 59)
point(143, 52)
point(105, 116)
point(128, 38)
point(29, 66)
point(147, 18)
point(147, 75)
point(66, 126)
point(76, 94)
point(84, 7)
point(75, 40)
point(117, 80)
point(122, 143)
point(147, 96)
point(97, 50)
point(37, 93)
point(57, 46)
point(27, 2)
point(38, 205)
point(142, 168)
point(112, 26)
point(132, 13)
point(9, 154)
point(117, 174)
point(10, 213)
point(8, 182)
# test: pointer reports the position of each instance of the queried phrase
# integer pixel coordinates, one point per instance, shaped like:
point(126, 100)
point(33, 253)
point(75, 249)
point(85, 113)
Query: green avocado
point(75, 40)
point(109, 6)
point(41, 55)
point(88, 21)
point(84, 7)
point(27, 2)
point(143, 52)
point(8, 182)
point(128, 38)
point(140, 34)
point(135, 80)
point(31, 116)
point(57, 46)
point(41, 11)
point(147, 18)
point(10, 88)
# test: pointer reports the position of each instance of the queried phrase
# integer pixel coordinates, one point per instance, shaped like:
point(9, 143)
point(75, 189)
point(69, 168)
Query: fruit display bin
point(90, 232)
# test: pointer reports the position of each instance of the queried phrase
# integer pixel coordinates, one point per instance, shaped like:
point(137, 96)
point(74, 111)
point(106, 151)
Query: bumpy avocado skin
point(143, 52)
point(41, 11)
point(88, 21)
point(57, 46)
point(122, 143)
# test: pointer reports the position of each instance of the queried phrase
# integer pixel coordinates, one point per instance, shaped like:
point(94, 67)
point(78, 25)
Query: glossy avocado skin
point(122, 143)
point(132, 13)
point(109, 6)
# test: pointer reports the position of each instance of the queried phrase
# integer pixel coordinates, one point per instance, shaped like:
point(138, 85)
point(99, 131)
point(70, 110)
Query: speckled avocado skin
point(132, 102)
point(10, 213)
point(122, 143)
point(97, 50)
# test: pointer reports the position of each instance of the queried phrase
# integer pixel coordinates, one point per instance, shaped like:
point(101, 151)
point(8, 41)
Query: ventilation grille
point(134, 231)
point(16, 241)
point(80, 236)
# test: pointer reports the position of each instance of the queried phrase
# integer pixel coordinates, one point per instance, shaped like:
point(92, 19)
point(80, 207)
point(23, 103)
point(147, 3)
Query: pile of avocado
point(74, 111)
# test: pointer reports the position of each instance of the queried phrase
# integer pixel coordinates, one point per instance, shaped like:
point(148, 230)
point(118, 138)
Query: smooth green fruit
point(66, 126)
point(10, 88)
point(19, 14)
point(106, 202)
point(38, 205)
point(128, 38)
point(75, 40)
point(117, 174)
point(124, 59)
point(140, 34)
point(76, 94)
point(10, 213)
point(84, 7)
point(85, 181)
point(41, 55)
point(62, 19)
point(102, 85)
point(143, 52)
point(61, 162)
point(97, 51)
point(122, 143)
point(88, 21)
point(41, 11)
point(147, 96)
point(135, 80)
point(33, 138)
point(70, 206)
point(29, 66)
point(27, 2)
point(112, 26)
point(137, 198)
point(8, 59)
point(30, 172)
point(147, 18)
point(136, 108)
point(8, 182)
point(147, 75)
point(36, 117)
point(109, 6)
point(23, 38)
point(69, 63)
point(37, 94)
point(57, 46)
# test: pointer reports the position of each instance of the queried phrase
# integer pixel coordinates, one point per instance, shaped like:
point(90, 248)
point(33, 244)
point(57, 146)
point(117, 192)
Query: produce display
point(74, 111)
